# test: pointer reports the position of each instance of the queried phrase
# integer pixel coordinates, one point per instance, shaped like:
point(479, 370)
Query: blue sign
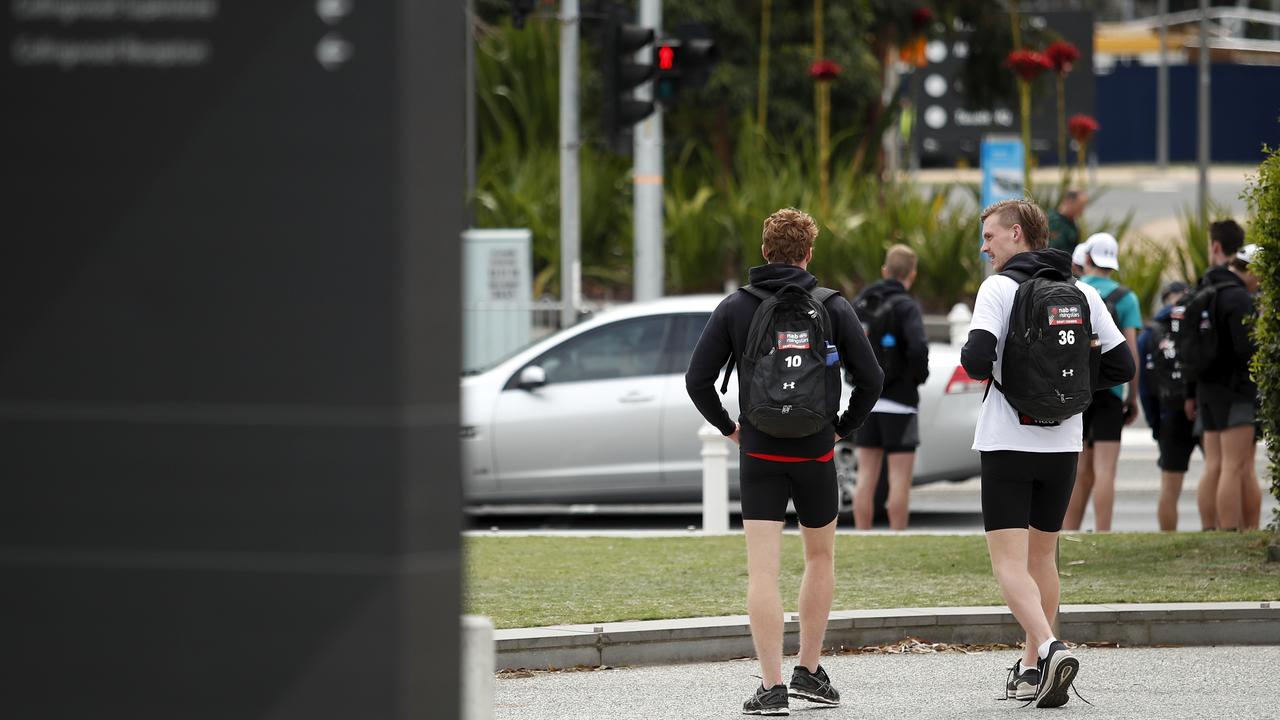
point(1003, 175)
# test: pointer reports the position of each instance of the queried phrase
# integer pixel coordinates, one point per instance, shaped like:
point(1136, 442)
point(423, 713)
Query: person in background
point(1111, 410)
point(1063, 232)
point(1224, 396)
point(1162, 394)
point(895, 327)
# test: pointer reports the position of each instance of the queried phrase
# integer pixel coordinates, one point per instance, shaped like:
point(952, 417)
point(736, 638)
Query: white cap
point(1103, 250)
point(1247, 253)
point(1078, 255)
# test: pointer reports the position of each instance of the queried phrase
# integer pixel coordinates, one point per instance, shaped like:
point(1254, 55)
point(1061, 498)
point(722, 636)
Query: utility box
point(497, 291)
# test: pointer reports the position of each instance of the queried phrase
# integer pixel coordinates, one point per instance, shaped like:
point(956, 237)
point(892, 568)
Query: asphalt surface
point(1171, 683)
point(940, 507)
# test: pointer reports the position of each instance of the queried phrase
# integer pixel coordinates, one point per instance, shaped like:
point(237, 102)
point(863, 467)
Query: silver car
point(598, 413)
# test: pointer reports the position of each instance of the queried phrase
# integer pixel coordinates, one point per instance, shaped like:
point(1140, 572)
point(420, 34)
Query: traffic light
point(683, 61)
point(619, 44)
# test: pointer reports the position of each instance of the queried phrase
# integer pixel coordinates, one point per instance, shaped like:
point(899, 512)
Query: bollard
point(715, 481)
point(959, 319)
point(478, 659)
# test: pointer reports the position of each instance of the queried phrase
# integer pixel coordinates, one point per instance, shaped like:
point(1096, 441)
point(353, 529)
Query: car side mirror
point(531, 378)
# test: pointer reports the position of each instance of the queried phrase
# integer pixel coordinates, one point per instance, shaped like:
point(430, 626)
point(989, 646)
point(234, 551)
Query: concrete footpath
point(723, 638)
point(1143, 683)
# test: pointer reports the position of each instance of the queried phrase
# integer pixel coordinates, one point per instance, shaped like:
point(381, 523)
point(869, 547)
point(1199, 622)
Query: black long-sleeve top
point(725, 336)
point(905, 386)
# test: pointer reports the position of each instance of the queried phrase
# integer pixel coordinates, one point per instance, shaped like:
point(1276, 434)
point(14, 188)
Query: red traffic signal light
point(666, 57)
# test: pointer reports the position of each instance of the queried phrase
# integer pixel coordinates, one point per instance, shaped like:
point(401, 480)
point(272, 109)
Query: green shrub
point(1263, 196)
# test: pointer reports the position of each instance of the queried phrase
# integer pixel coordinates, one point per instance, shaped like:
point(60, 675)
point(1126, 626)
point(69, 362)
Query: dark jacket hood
point(884, 289)
point(775, 276)
point(1220, 275)
point(1056, 262)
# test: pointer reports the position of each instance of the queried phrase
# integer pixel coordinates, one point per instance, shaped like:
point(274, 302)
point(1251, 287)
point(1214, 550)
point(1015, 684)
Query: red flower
point(1028, 63)
point(1062, 54)
point(1082, 127)
point(824, 70)
point(921, 17)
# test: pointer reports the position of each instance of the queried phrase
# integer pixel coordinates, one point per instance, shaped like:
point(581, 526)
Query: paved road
point(1167, 683)
point(1143, 190)
point(941, 507)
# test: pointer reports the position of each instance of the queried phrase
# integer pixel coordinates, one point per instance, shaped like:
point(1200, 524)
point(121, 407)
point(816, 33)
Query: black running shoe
point(813, 686)
point(1024, 686)
point(1058, 670)
point(768, 702)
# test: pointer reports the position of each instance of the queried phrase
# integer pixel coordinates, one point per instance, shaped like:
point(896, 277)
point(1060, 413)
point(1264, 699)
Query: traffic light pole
point(647, 174)
point(570, 213)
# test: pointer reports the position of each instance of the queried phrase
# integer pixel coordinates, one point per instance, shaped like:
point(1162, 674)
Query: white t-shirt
point(893, 408)
point(998, 426)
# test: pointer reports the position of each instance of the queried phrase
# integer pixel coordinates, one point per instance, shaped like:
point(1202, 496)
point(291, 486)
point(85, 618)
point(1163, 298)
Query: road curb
point(722, 638)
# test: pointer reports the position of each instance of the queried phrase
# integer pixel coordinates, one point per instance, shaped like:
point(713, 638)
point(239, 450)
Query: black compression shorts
point(1104, 418)
point(766, 485)
point(894, 432)
point(1026, 489)
point(1177, 437)
point(1221, 408)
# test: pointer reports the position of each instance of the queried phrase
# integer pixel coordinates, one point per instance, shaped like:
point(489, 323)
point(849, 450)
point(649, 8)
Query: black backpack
point(879, 318)
point(1197, 333)
point(1048, 351)
point(1163, 362)
point(784, 374)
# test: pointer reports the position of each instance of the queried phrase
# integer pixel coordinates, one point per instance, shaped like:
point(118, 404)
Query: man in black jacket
point(1029, 467)
point(895, 328)
point(1224, 396)
point(773, 469)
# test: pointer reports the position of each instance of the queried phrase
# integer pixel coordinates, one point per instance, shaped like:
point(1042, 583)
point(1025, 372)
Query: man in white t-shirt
point(1028, 467)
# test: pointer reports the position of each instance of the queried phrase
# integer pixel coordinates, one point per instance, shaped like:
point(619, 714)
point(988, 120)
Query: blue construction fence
point(1244, 113)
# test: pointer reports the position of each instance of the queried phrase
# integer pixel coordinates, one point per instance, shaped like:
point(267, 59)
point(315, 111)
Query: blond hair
point(1028, 215)
point(900, 261)
point(787, 236)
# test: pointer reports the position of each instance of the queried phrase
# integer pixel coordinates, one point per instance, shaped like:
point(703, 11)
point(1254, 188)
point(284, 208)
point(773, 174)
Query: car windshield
point(485, 367)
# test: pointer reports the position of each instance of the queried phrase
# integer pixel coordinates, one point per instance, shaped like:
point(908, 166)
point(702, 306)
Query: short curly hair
point(1035, 226)
point(788, 236)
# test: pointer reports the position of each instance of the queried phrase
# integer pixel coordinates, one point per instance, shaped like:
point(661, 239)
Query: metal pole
point(1162, 92)
point(1203, 101)
point(647, 197)
point(570, 265)
point(1275, 29)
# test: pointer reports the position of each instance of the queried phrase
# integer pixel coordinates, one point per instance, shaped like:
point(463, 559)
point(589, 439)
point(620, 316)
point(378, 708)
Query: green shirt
point(1063, 233)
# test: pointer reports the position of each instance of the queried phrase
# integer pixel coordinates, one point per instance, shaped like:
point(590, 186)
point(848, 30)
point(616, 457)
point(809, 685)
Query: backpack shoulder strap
point(1116, 295)
point(761, 295)
point(1016, 275)
point(822, 294)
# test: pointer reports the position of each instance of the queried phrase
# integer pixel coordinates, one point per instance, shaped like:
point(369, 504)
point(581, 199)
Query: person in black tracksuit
point(893, 428)
point(1224, 398)
point(772, 469)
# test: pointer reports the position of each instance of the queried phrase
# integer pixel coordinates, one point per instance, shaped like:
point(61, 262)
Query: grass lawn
point(533, 581)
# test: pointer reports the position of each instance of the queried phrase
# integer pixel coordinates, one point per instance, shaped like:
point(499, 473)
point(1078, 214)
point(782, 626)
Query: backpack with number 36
point(1049, 350)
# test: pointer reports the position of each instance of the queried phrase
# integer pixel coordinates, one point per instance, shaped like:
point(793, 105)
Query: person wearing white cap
point(1111, 410)
point(1078, 256)
point(1223, 395)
